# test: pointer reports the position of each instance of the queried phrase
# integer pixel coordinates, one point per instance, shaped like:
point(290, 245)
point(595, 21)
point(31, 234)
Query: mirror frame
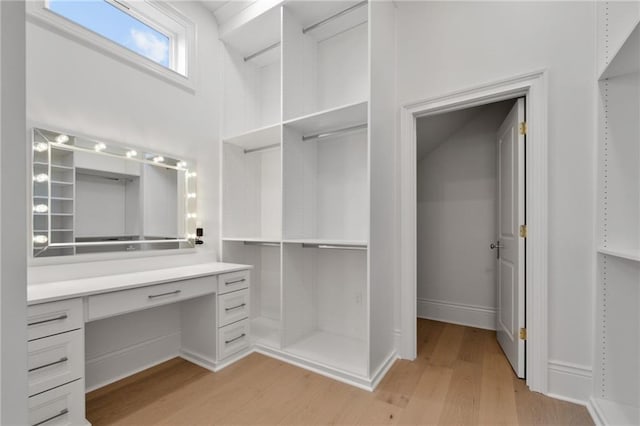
point(42, 142)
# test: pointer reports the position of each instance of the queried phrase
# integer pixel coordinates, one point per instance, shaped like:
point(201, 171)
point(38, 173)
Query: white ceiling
point(225, 9)
point(435, 129)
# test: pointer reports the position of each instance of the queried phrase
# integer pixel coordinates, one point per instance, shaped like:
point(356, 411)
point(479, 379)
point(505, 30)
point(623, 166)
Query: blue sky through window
point(107, 20)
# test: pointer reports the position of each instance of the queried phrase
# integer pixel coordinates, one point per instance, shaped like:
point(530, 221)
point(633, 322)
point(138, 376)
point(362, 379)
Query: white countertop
point(60, 290)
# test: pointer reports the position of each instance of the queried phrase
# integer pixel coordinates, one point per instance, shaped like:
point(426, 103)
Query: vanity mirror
point(89, 196)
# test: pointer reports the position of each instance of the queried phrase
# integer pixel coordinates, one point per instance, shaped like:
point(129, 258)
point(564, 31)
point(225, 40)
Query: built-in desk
point(214, 314)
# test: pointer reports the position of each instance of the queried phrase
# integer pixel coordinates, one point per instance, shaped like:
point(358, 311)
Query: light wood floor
point(460, 377)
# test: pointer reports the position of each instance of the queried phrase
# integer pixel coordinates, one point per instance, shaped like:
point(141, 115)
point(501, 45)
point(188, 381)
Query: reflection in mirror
point(92, 197)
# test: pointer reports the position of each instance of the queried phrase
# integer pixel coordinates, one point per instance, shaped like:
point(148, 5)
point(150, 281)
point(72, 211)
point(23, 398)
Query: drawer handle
point(60, 414)
point(235, 281)
point(169, 293)
point(242, 305)
point(61, 317)
point(60, 361)
point(226, 342)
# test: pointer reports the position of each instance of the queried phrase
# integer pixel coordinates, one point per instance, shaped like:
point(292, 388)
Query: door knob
point(496, 246)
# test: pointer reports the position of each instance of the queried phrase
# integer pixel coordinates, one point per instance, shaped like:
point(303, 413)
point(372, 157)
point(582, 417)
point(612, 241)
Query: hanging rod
point(332, 17)
point(260, 243)
point(334, 246)
point(262, 148)
point(260, 52)
point(335, 132)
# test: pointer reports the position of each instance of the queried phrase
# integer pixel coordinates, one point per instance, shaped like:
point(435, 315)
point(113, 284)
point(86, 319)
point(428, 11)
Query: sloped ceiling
point(433, 130)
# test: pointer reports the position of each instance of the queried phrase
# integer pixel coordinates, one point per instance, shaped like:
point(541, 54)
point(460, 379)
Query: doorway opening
point(532, 86)
point(470, 211)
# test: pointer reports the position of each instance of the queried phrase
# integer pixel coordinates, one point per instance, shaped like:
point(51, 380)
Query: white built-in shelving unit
point(617, 347)
point(299, 151)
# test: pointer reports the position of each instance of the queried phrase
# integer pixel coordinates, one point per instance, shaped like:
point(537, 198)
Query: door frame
point(534, 87)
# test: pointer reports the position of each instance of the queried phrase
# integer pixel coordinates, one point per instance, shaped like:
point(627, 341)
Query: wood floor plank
point(460, 377)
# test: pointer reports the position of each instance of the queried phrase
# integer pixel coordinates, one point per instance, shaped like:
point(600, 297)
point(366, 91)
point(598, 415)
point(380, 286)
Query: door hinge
point(523, 231)
point(523, 334)
point(523, 128)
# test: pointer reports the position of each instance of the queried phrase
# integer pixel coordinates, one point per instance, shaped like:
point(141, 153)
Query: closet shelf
point(257, 138)
point(59, 182)
point(44, 197)
point(327, 242)
point(265, 332)
point(613, 413)
point(339, 352)
point(331, 119)
point(621, 253)
point(252, 240)
point(627, 59)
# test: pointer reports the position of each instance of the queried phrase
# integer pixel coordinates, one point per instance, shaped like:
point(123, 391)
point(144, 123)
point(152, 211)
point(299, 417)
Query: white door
point(510, 245)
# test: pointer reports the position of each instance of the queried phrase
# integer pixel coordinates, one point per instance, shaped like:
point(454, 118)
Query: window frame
point(158, 15)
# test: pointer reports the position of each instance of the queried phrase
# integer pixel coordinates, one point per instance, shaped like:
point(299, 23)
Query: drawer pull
point(235, 281)
point(60, 318)
point(60, 414)
point(242, 305)
point(60, 361)
point(170, 293)
point(226, 342)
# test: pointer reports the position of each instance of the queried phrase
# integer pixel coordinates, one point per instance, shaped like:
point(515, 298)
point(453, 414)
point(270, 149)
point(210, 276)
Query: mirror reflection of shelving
point(325, 56)
point(265, 287)
point(326, 177)
point(325, 294)
point(252, 75)
point(53, 196)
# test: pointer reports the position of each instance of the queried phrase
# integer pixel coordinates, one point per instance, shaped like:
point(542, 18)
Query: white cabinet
point(56, 363)
point(617, 354)
point(298, 196)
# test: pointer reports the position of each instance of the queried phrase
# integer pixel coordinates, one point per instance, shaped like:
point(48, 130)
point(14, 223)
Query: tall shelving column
point(617, 356)
point(252, 164)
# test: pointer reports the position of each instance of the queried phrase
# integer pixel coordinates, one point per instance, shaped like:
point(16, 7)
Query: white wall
point(13, 217)
point(448, 46)
point(72, 86)
point(457, 222)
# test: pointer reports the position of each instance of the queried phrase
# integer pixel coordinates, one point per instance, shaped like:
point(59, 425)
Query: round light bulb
point(191, 195)
point(132, 153)
point(40, 239)
point(181, 164)
point(62, 138)
point(191, 215)
point(41, 208)
point(40, 147)
point(158, 159)
point(100, 146)
point(190, 175)
point(42, 177)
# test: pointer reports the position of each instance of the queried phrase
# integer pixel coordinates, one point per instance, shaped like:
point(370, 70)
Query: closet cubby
point(617, 355)
point(325, 56)
point(252, 190)
point(325, 294)
point(265, 289)
point(326, 177)
point(252, 75)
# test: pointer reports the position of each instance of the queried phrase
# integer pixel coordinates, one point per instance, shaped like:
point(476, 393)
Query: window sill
point(39, 15)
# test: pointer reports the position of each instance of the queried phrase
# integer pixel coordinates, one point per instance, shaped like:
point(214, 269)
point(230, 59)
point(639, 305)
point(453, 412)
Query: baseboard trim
point(383, 369)
point(457, 313)
point(324, 370)
point(570, 382)
point(605, 412)
point(108, 368)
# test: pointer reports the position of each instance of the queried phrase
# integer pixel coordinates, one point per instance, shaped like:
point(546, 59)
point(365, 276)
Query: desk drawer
point(233, 281)
point(60, 406)
point(55, 360)
point(50, 318)
point(233, 307)
point(120, 302)
point(233, 338)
